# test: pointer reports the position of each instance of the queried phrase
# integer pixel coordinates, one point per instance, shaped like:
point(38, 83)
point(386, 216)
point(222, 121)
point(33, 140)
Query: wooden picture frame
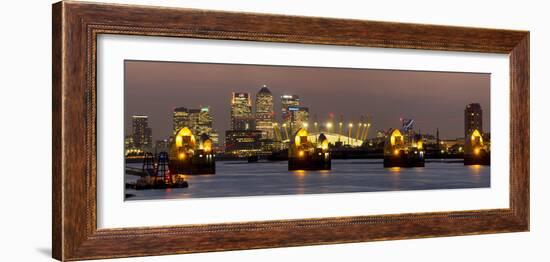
point(76, 26)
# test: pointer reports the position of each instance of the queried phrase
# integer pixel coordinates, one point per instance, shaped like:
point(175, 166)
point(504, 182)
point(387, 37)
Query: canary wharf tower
point(264, 112)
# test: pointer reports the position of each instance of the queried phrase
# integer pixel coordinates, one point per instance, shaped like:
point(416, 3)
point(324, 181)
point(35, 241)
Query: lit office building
point(215, 139)
point(298, 117)
point(204, 121)
point(243, 143)
point(193, 122)
point(199, 121)
point(180, 119)
point(128, 141)
point(286, 102)
point(265, 112)
point(473, 119)
point(241, 112)
point(129, 148)
point(142, 136)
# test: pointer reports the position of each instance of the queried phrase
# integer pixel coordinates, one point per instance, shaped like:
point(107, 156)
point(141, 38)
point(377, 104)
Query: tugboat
point(401, 153)
point(155, 174)
point(189, 157)
point(476, 151)
point(306, 155)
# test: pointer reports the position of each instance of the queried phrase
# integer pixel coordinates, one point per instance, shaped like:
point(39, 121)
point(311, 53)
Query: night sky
point(433, 99)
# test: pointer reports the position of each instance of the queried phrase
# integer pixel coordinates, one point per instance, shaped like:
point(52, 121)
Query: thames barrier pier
point(403, 150)
point(476, 151)
point(189, 157)
point(304, 154)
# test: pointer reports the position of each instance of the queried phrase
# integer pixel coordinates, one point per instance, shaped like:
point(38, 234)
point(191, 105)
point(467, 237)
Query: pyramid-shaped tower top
point(264, 90)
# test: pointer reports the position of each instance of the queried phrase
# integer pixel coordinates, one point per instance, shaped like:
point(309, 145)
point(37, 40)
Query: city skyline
point(382, 86)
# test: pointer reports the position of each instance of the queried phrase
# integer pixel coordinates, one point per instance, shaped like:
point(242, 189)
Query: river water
point(239, 178)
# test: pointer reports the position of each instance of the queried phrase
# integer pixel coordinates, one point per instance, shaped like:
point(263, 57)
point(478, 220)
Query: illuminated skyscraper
point(204, 124)
point(264, 112)
point(473, 119)
point(294, 116)
point(180, 118)
point(193, 124)
point(201, 123)
point(286, 102)
point(298, 118)
point(142, 136)
point(241, 112)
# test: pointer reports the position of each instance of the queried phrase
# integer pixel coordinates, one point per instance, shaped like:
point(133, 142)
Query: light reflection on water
point(475, 169)
point(272, 178)
point(299, 175)
point(394, 170)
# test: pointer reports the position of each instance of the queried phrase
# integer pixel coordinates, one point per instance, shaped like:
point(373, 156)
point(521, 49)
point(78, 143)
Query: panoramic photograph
point(202, 130)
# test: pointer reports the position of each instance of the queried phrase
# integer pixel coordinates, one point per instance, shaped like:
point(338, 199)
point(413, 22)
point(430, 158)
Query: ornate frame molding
point(76, 26)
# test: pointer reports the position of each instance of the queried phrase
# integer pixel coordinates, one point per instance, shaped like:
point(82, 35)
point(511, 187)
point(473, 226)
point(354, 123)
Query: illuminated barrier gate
point(476, 151)
point(399, 153)
point(189, 157)
point(306, 155)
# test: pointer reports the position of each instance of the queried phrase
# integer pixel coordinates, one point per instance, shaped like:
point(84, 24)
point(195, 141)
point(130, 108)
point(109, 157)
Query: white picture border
point(114, 212)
